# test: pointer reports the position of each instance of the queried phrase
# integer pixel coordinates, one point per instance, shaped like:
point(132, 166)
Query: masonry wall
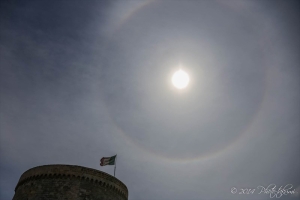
point(68, 182)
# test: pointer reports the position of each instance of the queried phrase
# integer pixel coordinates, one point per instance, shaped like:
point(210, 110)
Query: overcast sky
point(85, 79)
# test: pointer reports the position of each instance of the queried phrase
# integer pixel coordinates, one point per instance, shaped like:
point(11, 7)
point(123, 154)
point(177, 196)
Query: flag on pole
point(108, 160)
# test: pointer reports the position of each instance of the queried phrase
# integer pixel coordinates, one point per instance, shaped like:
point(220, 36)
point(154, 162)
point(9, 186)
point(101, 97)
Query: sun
point(180, 79)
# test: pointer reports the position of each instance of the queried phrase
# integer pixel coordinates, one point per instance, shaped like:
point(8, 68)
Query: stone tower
point(68, 182)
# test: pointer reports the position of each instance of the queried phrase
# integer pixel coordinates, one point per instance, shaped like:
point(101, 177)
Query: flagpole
point(115, 166)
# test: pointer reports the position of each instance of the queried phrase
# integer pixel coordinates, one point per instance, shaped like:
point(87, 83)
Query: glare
point(180, 79)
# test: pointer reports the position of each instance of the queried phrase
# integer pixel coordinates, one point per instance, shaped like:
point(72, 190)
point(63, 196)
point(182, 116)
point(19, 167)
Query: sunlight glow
point(180, 79)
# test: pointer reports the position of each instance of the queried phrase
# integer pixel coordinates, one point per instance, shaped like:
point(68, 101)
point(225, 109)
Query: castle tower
point(68, 182)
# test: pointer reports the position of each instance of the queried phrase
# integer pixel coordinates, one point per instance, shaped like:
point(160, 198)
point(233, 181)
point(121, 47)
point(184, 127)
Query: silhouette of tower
point(68, 182)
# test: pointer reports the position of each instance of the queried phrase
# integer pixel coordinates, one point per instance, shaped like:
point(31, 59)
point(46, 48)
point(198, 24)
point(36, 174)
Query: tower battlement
point(68, 182)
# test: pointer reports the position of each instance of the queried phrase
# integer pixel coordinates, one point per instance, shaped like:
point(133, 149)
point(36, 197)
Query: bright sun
point(180, 79)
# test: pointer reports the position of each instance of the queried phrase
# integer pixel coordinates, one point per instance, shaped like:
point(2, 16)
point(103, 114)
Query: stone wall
point(68, 182)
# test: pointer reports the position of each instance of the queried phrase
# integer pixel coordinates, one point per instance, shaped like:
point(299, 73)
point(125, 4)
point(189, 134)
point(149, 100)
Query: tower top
point(67, 181)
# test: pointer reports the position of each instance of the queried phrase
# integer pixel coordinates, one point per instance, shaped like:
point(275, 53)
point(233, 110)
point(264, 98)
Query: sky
point(81, 80)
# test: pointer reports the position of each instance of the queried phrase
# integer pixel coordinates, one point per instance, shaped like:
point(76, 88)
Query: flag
point(108, 160)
